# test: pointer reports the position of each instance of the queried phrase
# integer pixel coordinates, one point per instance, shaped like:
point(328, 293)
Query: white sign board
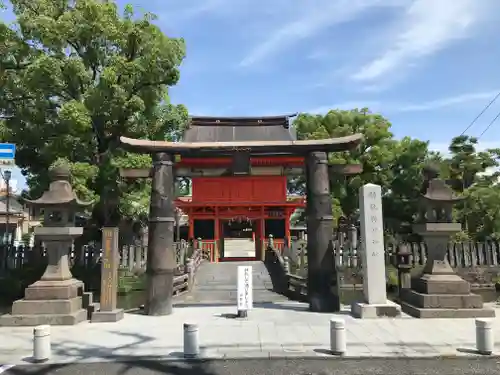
point(245, 288)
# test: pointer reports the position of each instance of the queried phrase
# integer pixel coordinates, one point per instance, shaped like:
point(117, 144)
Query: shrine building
point(234, 207)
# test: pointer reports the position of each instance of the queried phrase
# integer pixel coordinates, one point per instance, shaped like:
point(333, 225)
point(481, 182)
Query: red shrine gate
point(226, 208)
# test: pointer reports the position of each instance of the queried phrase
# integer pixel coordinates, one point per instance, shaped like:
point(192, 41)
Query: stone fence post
point(270, 242)
point(286, 265)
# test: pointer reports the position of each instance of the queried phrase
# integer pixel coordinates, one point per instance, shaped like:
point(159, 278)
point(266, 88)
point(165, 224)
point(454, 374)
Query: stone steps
point(216, 283)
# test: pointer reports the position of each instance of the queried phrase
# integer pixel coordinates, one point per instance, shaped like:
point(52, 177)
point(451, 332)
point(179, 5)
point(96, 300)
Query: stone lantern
point(56, 298)
point(440, 292)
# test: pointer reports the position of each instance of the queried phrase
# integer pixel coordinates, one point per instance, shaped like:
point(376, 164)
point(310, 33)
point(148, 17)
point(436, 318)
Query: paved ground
point(271, 331)
point(215, 284)
point(275, 367)
point(275, 329)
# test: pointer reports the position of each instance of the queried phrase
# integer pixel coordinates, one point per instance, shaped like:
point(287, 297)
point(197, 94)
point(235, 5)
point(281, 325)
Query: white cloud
point(427, 27)
point(372, 105)
point(205, 6)
point(388, 106)
point(307, 21)
point(185, 13)
point(448, 101)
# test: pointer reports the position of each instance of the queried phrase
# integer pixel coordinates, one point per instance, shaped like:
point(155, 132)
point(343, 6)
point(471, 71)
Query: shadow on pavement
point(172, 363)
point(146, 366)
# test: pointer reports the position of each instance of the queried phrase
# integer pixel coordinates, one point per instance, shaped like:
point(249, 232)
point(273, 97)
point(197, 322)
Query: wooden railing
point(210, 250)
point(181, 284)
point(277, 244)
point(185, 281)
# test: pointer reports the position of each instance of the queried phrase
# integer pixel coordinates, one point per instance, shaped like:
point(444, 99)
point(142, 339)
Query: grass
point(13, 284)
point(129, 282)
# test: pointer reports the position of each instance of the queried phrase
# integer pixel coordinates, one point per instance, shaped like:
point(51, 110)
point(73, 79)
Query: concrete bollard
point(41, 343)
point(191, 340)
point(338, 344)
point(484, 336)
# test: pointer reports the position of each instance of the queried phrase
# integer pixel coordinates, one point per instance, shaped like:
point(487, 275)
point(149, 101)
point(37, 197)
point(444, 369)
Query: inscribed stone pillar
point(161, 261)
point(109, 278)
point(372, 232)
point(322, 289)
point(373, 260)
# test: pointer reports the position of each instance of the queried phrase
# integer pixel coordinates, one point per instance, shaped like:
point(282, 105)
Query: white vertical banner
point(245, 288)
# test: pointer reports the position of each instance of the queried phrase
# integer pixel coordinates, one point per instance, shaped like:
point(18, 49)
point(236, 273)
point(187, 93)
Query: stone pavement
point(273, 330)
point(215, 284)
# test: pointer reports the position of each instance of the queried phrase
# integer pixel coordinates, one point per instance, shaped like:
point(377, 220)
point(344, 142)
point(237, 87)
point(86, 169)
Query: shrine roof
point(238, 129)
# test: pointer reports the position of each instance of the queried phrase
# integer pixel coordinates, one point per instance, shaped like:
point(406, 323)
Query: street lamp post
point(6, 177)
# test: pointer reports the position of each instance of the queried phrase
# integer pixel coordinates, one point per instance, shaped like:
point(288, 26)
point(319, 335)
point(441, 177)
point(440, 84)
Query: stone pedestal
point(56, 299)
point(375, 302)
point(440, 292)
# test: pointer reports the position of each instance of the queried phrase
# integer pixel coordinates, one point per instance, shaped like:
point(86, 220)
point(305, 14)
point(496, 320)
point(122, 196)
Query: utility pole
point(6, 177)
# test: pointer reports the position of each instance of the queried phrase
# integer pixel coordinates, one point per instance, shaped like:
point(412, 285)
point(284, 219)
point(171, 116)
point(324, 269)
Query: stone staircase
point(239, 248)
point(216, 284)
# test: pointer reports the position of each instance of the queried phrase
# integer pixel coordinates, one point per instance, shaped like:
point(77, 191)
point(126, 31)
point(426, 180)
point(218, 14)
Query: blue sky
point(430, 66)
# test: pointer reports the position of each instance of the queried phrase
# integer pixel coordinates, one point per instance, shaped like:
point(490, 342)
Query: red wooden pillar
point(221, 239)
point(191, 226)
point(215, 254)
point(262, 233)
point(256, 238)
point(287, 227)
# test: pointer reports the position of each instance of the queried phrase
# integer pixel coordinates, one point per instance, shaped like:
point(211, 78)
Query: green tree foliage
point(466, 162)
point(474, 174)
point(76, 75)
point(395, 165)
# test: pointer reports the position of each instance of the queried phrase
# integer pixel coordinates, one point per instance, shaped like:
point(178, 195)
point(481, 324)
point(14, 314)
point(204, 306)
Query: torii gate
point(161, 252)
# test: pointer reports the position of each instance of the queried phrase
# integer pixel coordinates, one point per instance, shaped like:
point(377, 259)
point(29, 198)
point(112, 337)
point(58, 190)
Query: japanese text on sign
point(245, 288)
point(108, 279)
point(372, 215)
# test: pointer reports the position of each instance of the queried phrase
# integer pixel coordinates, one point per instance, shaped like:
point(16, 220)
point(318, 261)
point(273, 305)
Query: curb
point(254, 357)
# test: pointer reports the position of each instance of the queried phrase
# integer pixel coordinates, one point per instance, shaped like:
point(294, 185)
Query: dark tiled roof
point(238, 129)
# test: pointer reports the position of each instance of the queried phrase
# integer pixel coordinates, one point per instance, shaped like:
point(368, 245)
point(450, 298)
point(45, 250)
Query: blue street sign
point(7, 153)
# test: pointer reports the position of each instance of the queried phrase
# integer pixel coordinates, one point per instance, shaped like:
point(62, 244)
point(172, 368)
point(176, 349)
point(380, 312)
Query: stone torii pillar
point(323, 293)
point(161, 251)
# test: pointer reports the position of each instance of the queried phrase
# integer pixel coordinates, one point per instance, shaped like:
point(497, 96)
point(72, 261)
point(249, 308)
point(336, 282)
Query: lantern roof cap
point(60, 191)
point(439, 191)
